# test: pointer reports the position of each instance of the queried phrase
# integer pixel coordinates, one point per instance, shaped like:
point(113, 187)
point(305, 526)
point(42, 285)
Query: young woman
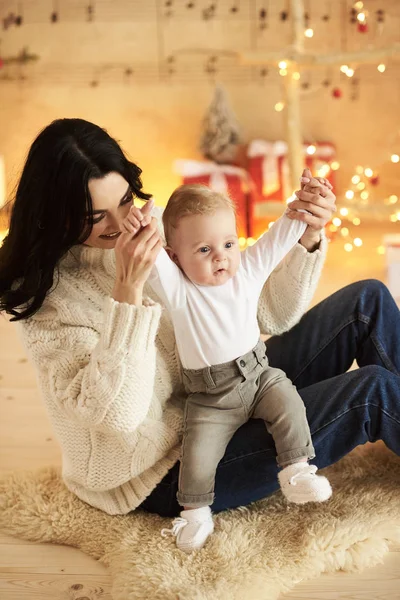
point(104, 349)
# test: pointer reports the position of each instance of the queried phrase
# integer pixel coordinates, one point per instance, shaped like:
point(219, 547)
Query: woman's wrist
point(131, 294)
point(311, 239)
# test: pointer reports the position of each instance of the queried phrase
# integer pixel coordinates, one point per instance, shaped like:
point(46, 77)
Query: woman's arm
point(287, 293)
point(102, 380)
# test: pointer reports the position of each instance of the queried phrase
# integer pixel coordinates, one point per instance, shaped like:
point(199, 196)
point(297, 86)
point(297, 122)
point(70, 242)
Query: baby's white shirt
point(217, 324)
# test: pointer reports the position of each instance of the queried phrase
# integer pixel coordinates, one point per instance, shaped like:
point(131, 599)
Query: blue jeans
point(361, 322)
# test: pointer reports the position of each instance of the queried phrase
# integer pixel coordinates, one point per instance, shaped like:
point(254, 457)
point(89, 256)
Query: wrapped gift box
point(392, 246)
point(221, 178)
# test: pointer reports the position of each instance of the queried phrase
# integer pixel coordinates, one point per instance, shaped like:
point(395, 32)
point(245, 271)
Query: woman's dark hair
point(52, 210)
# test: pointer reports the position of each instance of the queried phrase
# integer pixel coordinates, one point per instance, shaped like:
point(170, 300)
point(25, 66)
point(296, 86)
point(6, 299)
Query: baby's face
point(206, 247)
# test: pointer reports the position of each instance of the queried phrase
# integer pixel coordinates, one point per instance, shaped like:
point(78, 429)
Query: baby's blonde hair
point(193, 199)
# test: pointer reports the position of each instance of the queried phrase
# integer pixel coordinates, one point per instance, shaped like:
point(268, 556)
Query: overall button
point(242, 363)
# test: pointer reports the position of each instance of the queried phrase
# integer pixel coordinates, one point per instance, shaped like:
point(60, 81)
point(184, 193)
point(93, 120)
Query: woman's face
point(111, 199)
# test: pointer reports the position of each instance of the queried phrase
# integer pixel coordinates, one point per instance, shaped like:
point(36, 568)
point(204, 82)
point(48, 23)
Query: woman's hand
point(317, 198)
point(136, 251)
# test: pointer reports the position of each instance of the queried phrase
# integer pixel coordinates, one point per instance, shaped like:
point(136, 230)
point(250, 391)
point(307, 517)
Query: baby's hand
point(137, 218)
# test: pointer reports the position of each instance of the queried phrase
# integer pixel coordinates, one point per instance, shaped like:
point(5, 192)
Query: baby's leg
point(207, 431)
point(280, 406)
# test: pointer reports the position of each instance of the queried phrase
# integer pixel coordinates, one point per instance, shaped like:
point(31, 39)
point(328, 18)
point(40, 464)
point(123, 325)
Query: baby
point(211, 291)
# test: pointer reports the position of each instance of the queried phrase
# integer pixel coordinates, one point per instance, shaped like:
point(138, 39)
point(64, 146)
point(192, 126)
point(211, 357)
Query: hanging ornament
point(284, 15)
point(263, 18)
point(353, 15)
point(374, 180)
point(337, 92)
point(362, 27)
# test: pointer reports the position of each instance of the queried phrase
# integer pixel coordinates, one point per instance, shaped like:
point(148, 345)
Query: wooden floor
point(36, 572)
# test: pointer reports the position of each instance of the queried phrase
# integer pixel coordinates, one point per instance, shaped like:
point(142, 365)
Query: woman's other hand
point(136, 251)
point(317, 198)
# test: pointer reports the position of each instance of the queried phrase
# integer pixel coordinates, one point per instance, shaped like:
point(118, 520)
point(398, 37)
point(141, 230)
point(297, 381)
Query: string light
point(283, 72)
point(279, 106)
point(361, 17)
point(395, 158)
point(368, 172)
point(381, 250)
point(393, 218)
point(335, 165)
point(381, 68)
point(357, 242)
point(361, 185)
point(393, 199)
point(282, 64)
point(344, 68)
point(344, 232)
point(296, 75)
point(364, 195)
point(311, 149)
point(350, 72)
point(359, 5)
point(337, 222)
point(309, 33)
point(344, 212)
point(356, 221)
point(348, 247)
point(349, 194)
point(355, 179)
point(359, 169)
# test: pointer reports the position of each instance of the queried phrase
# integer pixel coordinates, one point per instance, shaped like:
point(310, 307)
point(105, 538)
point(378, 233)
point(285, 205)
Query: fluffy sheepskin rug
point(256, 552)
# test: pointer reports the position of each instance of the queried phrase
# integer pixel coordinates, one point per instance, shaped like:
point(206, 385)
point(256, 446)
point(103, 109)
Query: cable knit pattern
point(110, 375)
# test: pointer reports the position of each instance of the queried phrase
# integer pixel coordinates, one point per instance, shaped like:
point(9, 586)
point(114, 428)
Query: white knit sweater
point(109, 372)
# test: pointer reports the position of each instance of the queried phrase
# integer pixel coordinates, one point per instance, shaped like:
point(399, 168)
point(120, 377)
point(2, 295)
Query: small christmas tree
point(220, 139)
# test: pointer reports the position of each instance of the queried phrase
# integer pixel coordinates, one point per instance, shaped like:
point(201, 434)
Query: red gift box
point(228, 179)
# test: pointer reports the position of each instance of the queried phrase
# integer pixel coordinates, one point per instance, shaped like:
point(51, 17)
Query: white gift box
point(392, 246)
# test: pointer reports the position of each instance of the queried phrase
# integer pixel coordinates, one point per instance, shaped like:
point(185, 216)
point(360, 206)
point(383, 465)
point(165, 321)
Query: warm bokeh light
point(355, 179)
point(361, 185)
point(296, 75)
point(358, 242)
point(344, 211)
point(395, 158)
point(349, 194)
point(368, 172)
point(348, 247)
point(356, 221)
point(381, 250)
point(335, 165)
point(361, 17)
point(364, 195)
point(381, 68)
point(282, 64)
point(279, 106)
point(359, 169)
point(336, 221)
point(309, 32)
point(344, 232)
point(283, 72)
point(311, 149)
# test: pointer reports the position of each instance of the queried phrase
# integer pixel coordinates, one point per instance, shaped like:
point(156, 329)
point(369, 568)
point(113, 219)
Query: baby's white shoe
point(300, 484)
point(191, 529)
